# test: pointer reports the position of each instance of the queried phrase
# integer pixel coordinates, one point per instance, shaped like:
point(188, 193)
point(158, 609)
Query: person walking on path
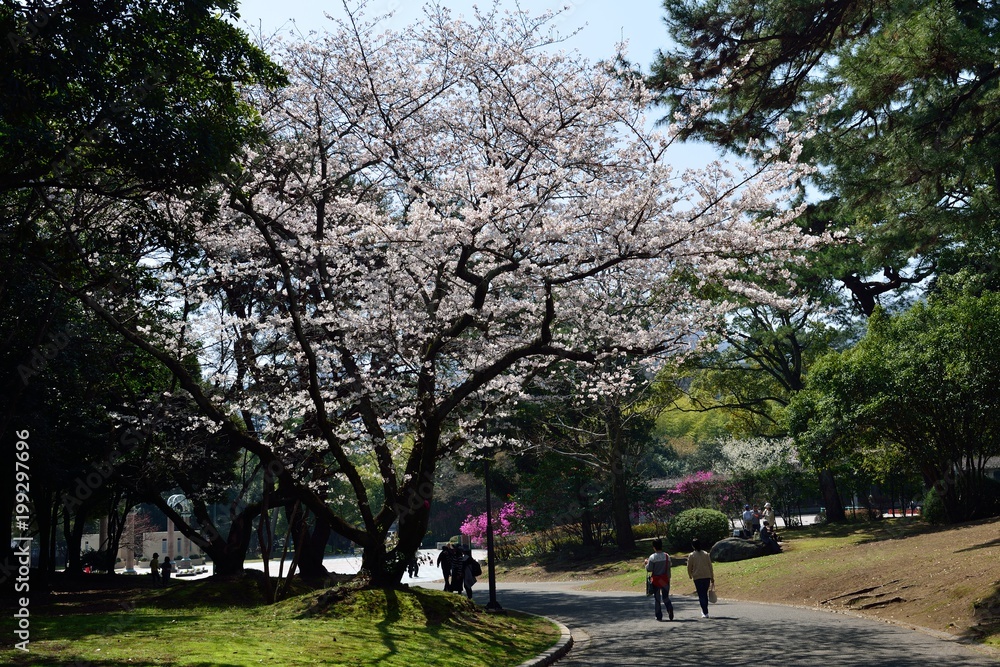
point(700, 570)
point(154, 569)
point(444, 562)
point(658, 566)
point(457, 569)
point(470, 570)
point(165, 570)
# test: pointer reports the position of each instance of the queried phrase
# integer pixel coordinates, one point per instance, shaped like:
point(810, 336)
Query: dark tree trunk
point(74, 542)
point(117, 522)
point(831, 497)
point(381, 570)
point(624, 537)
point(227, 553)
point(411, 510)
point(587, 527)
point(309, 545)
point(43, 516)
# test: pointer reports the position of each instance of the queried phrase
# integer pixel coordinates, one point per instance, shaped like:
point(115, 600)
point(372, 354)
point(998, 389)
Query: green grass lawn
point(205, 623)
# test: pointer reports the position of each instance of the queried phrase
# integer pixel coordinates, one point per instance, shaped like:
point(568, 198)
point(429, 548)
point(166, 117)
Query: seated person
point(767, 539)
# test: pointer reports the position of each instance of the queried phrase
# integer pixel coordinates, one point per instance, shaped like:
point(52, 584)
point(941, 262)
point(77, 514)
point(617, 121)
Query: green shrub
point(983, 503)
point(709, 526)
point(643, 531)
point(932, 509)
point(990, 498)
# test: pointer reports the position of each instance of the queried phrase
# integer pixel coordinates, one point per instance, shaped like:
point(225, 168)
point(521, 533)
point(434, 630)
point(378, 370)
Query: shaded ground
point(900, 570)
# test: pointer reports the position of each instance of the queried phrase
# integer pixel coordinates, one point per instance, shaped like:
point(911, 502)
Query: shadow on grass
point(489, 633)
point(984, 545)
point(392, 616)
point(867, 530)
point(449, 626)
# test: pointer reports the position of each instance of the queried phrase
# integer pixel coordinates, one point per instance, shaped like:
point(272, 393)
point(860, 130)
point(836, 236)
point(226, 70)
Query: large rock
point(733, 549)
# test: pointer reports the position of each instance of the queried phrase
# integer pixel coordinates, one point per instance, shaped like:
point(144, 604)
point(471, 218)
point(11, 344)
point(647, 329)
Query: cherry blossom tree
point(441, 213)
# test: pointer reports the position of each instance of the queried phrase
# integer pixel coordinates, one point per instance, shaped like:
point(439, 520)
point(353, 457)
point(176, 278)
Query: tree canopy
point(438, 214)
point(905, 94)
point(122, 96)
point(923, 381)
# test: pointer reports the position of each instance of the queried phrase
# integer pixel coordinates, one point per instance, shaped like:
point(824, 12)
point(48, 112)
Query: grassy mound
point(409, 605)
point(196, 623)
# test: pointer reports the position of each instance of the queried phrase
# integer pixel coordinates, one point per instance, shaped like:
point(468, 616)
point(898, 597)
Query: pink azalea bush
point(701, 489)
point(505, 524)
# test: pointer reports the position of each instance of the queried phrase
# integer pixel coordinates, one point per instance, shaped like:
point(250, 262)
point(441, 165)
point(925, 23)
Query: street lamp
point(492, 605)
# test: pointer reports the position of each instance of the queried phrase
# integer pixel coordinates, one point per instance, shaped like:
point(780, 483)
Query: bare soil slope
point(946, 580)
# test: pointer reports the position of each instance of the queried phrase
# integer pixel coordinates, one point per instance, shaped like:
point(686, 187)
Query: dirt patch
point(947, 580)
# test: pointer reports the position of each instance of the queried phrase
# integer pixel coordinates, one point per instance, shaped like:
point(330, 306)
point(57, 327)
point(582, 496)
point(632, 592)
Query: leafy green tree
point(564, 495)
point(607, 430)
point(925, 381)
point(71, 389)
point(104, 104)
point(123, 96)
point(754, 366)
point(905, 95)
point(757, 362)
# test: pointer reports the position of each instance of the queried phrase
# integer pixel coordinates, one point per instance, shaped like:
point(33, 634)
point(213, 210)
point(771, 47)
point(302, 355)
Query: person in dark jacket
point(457, 569)
point(444, 562)
point(154, 569)
point(470, 570)
point(768, 540)
point(165, 571)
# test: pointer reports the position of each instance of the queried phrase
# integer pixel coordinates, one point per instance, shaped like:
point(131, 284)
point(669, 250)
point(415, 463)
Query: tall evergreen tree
point(905, 93)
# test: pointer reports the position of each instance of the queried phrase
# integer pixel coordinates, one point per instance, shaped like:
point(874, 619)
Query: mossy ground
point(201, 623)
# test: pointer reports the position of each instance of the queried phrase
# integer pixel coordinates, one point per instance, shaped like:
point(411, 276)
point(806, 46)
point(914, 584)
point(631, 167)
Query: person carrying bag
point(700, 570)
point(658, 567)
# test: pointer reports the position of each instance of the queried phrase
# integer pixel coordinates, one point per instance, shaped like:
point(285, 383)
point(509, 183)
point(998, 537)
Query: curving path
point(613, 628)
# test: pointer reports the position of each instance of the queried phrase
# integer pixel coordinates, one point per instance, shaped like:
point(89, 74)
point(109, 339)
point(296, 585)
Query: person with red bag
point(658, 566)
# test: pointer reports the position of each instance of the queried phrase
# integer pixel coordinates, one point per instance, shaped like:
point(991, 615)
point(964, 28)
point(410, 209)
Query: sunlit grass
point(376, 627)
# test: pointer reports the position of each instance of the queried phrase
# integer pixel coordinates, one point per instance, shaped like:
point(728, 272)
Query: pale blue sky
point(603, 22)
point(600, 24)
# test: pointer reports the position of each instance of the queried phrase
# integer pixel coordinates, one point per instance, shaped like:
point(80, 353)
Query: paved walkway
point(612, 629)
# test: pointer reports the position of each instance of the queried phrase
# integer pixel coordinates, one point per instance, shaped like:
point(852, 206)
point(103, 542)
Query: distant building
point(172, 544)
